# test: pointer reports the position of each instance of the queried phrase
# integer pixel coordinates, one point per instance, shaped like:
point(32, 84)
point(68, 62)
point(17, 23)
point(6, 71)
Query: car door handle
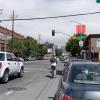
point(9, 63)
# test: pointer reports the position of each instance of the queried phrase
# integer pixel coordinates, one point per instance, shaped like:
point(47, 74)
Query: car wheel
point(54, 98)
point(5, 77)
point(21, 73)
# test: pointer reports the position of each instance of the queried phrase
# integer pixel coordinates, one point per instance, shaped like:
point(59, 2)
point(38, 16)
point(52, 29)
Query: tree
point(73, 44)
point(41, 49)
point(23, 47)
point(18, 46)
point(30, 46)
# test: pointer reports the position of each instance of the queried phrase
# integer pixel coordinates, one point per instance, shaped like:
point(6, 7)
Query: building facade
point(92, 47)
point(5, 35)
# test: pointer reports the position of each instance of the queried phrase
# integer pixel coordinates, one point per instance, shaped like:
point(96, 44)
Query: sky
point(50, 8)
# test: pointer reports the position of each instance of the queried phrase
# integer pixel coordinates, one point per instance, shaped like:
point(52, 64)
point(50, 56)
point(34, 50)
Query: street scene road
point(35, 85)
point(49, 50)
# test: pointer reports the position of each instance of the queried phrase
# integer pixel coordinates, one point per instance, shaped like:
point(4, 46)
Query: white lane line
point(9, 92)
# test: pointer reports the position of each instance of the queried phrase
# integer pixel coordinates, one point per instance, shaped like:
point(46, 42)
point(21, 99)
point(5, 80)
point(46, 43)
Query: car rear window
point(2, 57)
point(86, 73)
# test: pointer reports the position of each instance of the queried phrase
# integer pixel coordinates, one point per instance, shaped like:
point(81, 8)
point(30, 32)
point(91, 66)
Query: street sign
point(81, 43)
point(97, 1)
point(80, 37)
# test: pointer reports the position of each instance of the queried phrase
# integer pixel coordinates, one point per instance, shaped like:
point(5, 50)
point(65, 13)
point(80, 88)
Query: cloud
point(43, 8)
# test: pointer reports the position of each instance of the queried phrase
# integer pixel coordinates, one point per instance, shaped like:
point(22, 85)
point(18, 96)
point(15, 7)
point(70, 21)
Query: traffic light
point(53, 32)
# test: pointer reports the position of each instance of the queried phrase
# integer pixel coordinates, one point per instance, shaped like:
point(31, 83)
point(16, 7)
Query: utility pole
point(5, 41)
point(0, 21)
point(1, 10)
point(13, 31)
point(39, 38)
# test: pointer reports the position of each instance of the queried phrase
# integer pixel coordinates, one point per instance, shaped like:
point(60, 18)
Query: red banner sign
point(80, 29)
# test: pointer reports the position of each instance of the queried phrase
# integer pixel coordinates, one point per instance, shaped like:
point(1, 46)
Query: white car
point(10, 65)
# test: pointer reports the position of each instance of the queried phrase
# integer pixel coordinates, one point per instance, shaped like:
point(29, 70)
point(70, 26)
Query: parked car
point(10, 65)
point(40, 57)
point(46, 57)
point(61, 58)
point(29, 58)
point(21, 59)
point(81, 81)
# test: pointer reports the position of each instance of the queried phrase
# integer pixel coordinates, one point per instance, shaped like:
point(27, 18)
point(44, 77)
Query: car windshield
point(2, 57)
point(87, 74)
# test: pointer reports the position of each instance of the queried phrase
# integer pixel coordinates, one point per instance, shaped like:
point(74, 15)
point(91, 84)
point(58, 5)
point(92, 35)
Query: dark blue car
point(81, 81)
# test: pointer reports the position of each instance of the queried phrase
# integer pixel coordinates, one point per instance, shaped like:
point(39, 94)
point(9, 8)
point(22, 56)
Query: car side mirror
point(19, 59)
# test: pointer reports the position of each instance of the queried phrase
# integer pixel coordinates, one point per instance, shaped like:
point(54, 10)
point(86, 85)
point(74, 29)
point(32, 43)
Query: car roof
point(4, 52)
point(78, 63)
point(86, 62)
point(77, 60)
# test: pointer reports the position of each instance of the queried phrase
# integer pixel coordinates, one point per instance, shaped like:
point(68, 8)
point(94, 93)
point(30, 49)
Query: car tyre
point(21, 73)
point(54, 98)
point(5, 77)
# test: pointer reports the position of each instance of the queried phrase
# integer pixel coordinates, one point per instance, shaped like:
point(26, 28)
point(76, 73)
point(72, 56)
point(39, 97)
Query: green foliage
point(27, 47)
point(41, 49)
point(73, 45)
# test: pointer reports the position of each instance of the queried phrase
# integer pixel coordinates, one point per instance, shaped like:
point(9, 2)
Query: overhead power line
point(73, 15)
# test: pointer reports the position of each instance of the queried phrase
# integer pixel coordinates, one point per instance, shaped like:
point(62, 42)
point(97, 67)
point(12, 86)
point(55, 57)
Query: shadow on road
point(59, 72)
point(49, 76)
point(10, 78)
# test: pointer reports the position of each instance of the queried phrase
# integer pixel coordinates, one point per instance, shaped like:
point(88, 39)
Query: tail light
point(0, 64)
point(66, 98)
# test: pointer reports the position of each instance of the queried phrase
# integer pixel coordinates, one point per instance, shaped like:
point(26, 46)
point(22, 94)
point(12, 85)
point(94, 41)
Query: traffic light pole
point(63, 33)
point(53, 33)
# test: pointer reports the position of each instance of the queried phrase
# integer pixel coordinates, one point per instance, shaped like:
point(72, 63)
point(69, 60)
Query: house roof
point(93, 36)
point(9, 32)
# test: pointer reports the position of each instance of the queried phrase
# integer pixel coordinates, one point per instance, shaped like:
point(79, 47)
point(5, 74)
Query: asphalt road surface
point(35, 85)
